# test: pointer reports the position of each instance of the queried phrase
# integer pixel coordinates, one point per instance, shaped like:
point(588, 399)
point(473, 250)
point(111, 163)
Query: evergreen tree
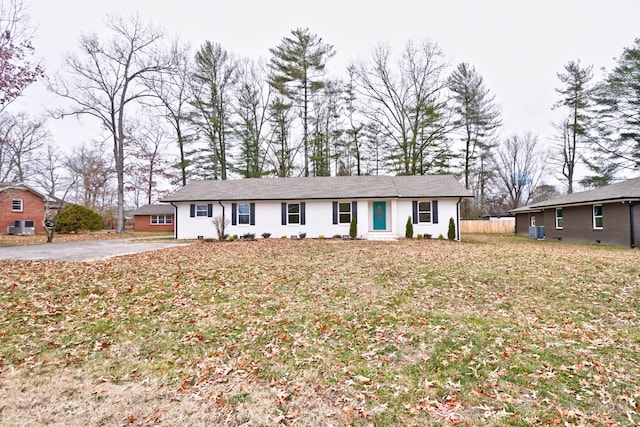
point(477, 116)
point(573, 131)
point(298, 64)
point(618, 108)
point(214, 77)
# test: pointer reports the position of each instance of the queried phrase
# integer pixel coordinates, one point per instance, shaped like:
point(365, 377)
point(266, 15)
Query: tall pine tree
point(297, 65)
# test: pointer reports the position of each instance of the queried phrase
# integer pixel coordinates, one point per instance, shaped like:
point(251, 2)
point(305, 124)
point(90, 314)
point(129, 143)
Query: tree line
point(171, 113)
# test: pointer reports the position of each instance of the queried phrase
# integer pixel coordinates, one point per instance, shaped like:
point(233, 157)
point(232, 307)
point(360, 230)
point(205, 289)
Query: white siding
point(319, 220)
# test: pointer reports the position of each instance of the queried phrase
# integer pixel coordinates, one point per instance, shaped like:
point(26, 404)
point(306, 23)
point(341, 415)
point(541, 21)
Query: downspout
point(458, 218)
point(175, 220)
point(223, 217)
point(632, 224)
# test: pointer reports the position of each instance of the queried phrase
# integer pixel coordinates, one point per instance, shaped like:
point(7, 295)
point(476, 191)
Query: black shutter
point(284, 213)
point(210, 210)
point(252, 214)
point(354, 210)
point(303, 218)
point(192, 210)
point(335, 212)
point(234, 216)
point(415, 211)
point(434, 212)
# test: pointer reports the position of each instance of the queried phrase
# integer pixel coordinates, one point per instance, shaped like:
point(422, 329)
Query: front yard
point(495, 331)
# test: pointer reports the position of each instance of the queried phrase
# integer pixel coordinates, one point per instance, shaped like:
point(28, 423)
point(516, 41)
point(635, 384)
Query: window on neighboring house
point(344, 212)
point(16, 205)
point(161, 219)
point(559, 218)
point(597, 216)
point(202, 210)
point(293, 213)
point(424, 212)
point(244, 213)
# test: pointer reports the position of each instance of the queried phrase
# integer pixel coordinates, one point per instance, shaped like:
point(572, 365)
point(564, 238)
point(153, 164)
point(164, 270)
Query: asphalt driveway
point(85, 250)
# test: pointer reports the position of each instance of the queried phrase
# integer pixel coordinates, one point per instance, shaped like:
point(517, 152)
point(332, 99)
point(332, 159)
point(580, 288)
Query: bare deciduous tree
point(407, 102)
point(105, 82)
point(519, 167)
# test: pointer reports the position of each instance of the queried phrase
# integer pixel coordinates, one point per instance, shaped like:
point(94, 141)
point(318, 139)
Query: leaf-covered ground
point(495, 331)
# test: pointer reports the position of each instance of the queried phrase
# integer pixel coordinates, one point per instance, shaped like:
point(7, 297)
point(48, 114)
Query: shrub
point(302, 234)
point(234, 237)
point(74, 218)
point(337, 236)
point(408, 233)
point(249, 236)
point(427, 236)
point(266, 235)
point(440, 236)
point(353, 228)
point(451, 233)
point(321, 237)
point(419, 236)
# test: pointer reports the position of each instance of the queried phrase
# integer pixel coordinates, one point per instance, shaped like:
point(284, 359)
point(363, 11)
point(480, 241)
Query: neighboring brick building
point(153, 218)
point(19, 202)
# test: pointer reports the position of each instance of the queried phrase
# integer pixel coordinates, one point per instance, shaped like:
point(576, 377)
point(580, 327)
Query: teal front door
point(379, 215)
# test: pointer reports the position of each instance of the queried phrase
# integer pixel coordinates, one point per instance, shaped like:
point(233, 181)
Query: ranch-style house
point(319, 206)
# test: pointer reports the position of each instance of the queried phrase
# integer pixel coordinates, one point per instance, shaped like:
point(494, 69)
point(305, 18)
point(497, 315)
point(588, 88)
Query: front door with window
point(379, 215)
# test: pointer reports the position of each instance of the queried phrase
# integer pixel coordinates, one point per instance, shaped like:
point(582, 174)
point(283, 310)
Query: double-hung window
point(424, 212)
point(597, 217)
point(244, 213)
point(202, 210)
point(559, 218)
point(344, 212)
point(293, 213)
point(16, 205)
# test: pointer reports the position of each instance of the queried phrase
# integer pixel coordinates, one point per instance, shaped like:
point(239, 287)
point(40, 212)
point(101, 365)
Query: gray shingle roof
point(337, 187)
point(162, 209)
point(625, 190)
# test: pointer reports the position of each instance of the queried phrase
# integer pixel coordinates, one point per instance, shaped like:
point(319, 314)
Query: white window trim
point(340, 213)
point(158, 222)
point(556, 218)
point(295, 224)
point(198, 211)
point(593, 216)
point(21, 205)
point(247, 215)
point(430, 212)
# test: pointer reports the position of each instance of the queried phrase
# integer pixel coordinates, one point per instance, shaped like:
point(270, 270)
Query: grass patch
point(497, 331)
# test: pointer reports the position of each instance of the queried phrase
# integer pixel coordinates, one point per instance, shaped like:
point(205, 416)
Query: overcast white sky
point(517, 46)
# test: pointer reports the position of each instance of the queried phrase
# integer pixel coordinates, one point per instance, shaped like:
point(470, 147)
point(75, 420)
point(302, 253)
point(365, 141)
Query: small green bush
point(302, 234)
point(353, 228)
point(321, 237)
point(419, 236)
point(266, 235)
point(249, 236)
point(337, 236)
point(408, 233)
point(451, 233)
point(74, 218)
point(232, 238)
point(440, 236)
point(427, 236)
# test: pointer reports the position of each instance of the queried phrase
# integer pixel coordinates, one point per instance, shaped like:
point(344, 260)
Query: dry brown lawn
point(494, 331)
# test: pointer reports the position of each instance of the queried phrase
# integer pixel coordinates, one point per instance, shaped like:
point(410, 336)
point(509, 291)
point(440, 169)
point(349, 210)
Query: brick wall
point(32, 209)
point(143, 223)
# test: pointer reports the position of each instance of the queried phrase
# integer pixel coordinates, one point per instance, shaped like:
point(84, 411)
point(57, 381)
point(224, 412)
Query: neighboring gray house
point(319, 206)
point(608, 215)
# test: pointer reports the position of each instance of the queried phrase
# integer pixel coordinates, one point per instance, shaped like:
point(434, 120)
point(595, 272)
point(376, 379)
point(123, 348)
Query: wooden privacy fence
point(478, 226)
